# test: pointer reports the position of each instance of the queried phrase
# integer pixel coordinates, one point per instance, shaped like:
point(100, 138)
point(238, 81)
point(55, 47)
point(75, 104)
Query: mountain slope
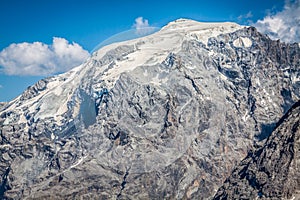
point(164, 116)
point(272, 171)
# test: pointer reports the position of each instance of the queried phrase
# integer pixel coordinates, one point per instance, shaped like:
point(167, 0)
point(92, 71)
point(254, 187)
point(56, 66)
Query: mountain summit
point(169, 115)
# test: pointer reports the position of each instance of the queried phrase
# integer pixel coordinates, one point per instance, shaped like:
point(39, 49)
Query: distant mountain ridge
point(169, 115)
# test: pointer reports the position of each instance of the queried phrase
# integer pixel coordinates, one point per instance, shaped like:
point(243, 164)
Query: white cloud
point(142, 26)
point(283, 25)
point(141, 23)
point(41, 59)
point(1, 86)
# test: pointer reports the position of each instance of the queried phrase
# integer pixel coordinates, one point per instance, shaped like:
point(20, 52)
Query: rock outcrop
point(273, 170)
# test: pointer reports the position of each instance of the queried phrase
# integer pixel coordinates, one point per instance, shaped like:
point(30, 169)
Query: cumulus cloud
point(33, 59)
point(141, 23)
point(142, 26)
point(283, 25)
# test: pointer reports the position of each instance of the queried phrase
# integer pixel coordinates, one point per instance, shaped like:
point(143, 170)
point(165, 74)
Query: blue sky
point(70, 29)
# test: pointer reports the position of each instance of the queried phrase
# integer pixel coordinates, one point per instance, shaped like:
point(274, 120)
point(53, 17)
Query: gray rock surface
point(173, 128)
point(271, 171)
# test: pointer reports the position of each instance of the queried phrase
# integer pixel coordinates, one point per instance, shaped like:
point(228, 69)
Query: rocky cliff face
point(271, 171)
point(168, 116)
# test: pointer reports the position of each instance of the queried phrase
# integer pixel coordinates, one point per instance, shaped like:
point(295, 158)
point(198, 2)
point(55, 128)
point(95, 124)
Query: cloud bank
point(34, 59)
point(283, 25)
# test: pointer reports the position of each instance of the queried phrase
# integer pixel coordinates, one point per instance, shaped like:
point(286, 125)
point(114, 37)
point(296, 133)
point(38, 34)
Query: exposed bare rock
point(272, 171)
point(34, 90)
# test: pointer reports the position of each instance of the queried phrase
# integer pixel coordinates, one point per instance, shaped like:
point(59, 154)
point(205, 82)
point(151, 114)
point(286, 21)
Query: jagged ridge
point(272, 171)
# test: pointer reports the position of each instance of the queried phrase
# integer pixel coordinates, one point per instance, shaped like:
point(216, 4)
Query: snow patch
point(78, 162)
point(223, 77)
point(199, 30)
point(246, 116)
point(242, 42)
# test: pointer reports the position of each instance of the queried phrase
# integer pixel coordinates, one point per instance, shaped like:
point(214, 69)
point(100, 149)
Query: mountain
point(170, 115)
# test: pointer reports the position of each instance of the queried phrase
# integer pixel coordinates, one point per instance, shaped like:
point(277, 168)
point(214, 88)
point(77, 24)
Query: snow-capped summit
point(60, 94)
